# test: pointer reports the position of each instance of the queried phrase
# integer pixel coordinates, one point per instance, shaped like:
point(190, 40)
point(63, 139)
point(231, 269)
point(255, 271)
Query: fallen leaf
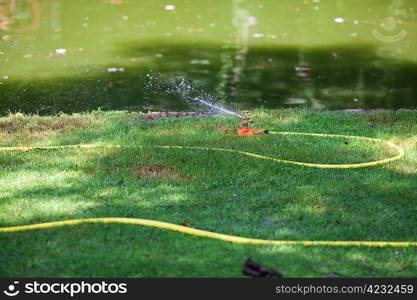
point(253, 269)
point(186, 223)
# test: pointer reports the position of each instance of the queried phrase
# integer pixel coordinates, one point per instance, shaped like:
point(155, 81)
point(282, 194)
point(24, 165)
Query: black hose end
point(266, 131)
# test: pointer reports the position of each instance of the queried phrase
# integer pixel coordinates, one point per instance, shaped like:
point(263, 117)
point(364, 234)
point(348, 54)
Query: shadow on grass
point(227, 194)
point(127, 251)
point(284, 202)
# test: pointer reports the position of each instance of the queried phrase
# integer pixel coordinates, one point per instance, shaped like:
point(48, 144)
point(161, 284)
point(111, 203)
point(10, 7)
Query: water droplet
point(200, 61)
point(113, 69)
point(61, 51)
point(169, 7)
point(251, 20)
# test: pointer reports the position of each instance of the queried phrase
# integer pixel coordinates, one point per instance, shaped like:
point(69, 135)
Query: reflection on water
point(83, 54)
point(19, 17)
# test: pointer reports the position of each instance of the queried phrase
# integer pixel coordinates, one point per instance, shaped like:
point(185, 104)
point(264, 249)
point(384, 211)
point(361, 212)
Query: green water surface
point(78, 55)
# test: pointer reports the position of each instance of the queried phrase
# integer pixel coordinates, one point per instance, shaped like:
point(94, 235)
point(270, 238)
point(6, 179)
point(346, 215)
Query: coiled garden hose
point(220, 236)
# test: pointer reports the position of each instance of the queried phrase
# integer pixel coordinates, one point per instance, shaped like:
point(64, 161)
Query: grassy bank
point(221, 192)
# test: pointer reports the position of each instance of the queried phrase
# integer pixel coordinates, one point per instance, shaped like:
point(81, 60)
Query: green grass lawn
point(217, 191)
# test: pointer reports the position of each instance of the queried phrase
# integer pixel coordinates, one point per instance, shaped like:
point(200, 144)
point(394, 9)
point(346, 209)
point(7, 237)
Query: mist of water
point(197, 99)
point(218, 108)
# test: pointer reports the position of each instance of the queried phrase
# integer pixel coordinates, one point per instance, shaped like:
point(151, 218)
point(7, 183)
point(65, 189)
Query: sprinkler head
point(245, 130)
point(247, 119)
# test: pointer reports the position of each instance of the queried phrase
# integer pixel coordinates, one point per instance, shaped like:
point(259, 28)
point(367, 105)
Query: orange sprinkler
point(245, 130)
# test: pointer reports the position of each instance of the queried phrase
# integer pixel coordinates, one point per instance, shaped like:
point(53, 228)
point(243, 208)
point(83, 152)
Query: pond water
point(79, 55)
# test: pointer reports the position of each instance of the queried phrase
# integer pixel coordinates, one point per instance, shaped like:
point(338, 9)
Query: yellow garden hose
point(219, 236)
point(250, 154)
point(204, 233)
